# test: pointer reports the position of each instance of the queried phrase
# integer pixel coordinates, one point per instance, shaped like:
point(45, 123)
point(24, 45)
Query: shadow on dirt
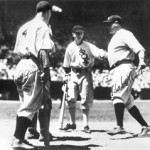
point(102, 131)
point(68, 138)
point(132, 135)
point(68, 147)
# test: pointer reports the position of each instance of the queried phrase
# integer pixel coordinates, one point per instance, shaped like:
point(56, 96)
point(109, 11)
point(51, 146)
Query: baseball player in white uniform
point(122, 48)
point(78, 61)
point(32, 130)
point(33, 45)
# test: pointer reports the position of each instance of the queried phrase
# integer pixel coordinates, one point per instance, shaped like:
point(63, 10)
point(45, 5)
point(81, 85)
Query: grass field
point(102, 119)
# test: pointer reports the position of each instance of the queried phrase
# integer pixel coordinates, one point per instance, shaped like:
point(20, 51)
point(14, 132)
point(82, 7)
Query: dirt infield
point(78, 140)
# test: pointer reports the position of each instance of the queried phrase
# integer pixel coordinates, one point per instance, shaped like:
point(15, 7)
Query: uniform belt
point(124, 61)
point(80, 70)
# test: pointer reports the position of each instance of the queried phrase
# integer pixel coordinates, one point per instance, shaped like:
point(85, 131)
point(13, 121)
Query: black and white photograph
point(74, 75)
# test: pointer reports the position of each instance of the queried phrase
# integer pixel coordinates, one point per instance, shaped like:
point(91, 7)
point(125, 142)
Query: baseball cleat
point(21, 144)
point(144, 131)
point(41, 137)
point(87, 129)
point(32, 134)
point(116, 130)
point(69, 126)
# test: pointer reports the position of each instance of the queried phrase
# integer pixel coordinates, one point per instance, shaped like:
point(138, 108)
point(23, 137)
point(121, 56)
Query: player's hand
point(66, 78)
point(141, 65)
point(44, 76)
point(104, 54)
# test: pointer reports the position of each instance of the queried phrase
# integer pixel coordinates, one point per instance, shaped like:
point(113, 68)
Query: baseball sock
point(34, 122)
point(134, 111)
point(22, 123)
point(86, 117)
point(119, 112)
point(72, 111)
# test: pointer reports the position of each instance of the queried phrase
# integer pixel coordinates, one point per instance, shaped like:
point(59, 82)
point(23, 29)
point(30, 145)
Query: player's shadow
point(101, 131)
point(130, 137)
point(70, 138)
point(69, 147)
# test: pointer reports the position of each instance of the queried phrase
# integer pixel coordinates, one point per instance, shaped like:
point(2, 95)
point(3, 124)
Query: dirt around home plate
point(78, 140)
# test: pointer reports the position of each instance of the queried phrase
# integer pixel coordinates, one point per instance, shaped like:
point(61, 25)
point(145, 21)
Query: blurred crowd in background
point(90, 14)
point(101, 76)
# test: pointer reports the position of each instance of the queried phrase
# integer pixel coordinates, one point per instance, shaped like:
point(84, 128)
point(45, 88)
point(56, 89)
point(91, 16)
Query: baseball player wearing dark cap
point(32, 78)
point(78, 61)
point(122, 48)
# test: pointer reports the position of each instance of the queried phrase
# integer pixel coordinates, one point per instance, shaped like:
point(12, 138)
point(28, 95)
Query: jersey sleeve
point(67, 59)
point(133, 43)
point(21, 42)
point(97, 52)
point(43, 41)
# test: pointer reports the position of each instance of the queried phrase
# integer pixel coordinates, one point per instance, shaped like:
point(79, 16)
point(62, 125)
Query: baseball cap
point(43, 6)
point(77, 28)
point(113, 18)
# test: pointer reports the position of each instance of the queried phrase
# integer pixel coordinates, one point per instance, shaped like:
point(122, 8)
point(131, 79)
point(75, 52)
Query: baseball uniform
point(123, 46)
point(80, 58)
point(32, 36)
point(121, 52)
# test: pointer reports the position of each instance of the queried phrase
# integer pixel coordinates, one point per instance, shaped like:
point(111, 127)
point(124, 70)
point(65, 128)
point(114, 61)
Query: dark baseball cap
point(77, 28)
point(113, 18)
point(43, 6)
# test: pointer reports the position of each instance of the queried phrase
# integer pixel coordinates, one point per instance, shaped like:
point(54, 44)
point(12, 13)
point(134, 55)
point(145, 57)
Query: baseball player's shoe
point(32, 134)
point(144, 131)
point(41, 137)
point(87, 129)
point(116, 130)
point(21, 144)
point(69, 126)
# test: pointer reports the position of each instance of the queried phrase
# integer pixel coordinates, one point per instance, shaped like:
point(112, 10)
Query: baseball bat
point(61, 115)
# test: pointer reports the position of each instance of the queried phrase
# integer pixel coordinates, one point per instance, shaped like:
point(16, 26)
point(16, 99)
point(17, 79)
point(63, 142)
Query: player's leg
point(32, 130)
point(119, 113)
point(136, 114)
point(28, 78)
point(42, 121)
point(122, 84)
point(86, 93)
point(22, 123)
point(72, 97)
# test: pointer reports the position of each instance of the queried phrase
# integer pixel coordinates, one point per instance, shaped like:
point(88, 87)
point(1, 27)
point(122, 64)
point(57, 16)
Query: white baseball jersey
point(82, 56)
point(33, 36)
point(123, 45)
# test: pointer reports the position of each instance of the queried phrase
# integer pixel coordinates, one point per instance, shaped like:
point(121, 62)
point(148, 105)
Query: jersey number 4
point(24, 33)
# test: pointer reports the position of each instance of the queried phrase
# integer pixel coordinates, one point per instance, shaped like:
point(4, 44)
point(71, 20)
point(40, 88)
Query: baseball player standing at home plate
point(122, 48)
point(78, 61)
point(32, 76)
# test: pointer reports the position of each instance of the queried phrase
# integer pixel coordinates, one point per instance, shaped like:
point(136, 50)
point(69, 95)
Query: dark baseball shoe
point(116, 130)
point(21, 144)
point(41, 137)
point(69, 126)
point(32, 134)
point(87, 129)
point(144, 131)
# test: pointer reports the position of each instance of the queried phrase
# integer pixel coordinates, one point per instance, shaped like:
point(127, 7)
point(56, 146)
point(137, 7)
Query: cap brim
point(79, 31)
point(106, 21)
